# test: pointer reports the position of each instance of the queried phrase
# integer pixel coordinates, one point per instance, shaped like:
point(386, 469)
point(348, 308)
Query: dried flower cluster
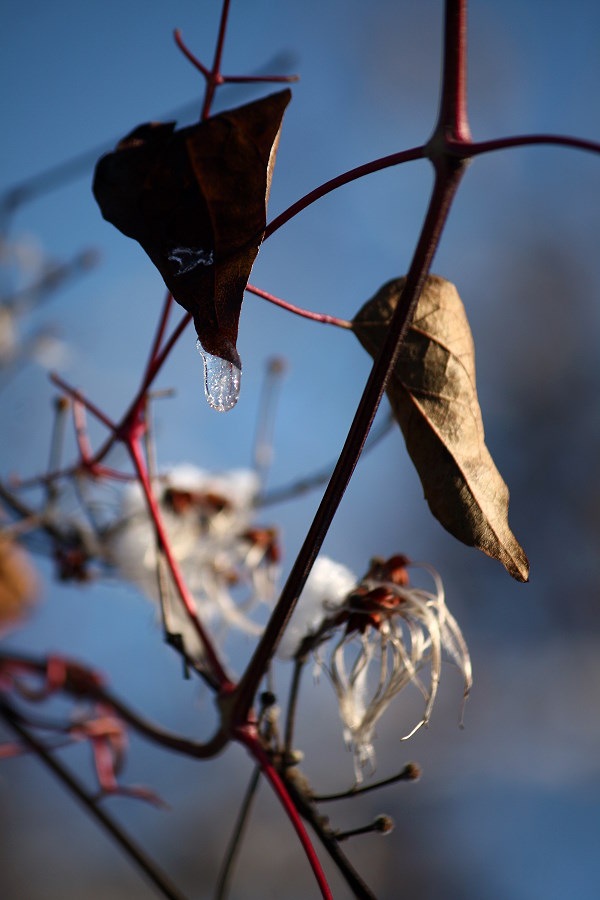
point(230, 565)
point(391, 632)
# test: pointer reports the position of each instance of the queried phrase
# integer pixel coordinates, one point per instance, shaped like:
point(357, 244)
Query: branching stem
point(81, 683)
point(447, 178)
point(121, 838)
point(249, 738)
point(220, 678)
point(238, 832)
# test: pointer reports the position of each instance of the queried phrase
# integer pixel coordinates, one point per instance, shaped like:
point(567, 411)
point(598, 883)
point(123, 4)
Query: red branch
point(395, 159)
point(219, 676)
point(81, 683)
point(526, 140)
point(249, 738)
point(305, 313)
point(213, 76)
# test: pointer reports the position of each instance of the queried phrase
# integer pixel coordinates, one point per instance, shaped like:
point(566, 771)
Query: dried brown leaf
point(18, 584)
point(434, 399)
point(196, 200)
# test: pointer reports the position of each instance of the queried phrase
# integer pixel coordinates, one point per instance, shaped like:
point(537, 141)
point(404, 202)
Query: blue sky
point(77, 75)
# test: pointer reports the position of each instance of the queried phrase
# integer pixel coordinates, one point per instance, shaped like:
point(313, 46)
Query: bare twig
point(297, 310)
point(410, 772)
point(321, 476)
point(145, 863)
point(238, 832)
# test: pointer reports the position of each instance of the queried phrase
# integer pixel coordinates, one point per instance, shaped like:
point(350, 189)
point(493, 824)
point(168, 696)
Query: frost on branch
point(434, 399)
point(230, 565)
point(390, 632)
point(196, 201)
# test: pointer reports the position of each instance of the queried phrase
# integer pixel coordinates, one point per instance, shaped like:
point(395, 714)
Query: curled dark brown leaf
point(434, 400)
point(196, 201)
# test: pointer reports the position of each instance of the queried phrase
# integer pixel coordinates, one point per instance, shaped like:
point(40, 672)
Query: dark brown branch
point(327, 837)
point(453, 121)
point(81, 683)
point(446, 183)
point(135, 853)
point(410, 772)
point(238, 833)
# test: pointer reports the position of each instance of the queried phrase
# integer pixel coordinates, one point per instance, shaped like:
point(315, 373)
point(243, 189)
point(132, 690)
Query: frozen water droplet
point(221, 380)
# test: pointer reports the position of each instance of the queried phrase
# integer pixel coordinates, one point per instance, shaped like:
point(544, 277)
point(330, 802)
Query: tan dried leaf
point(434, 400)
point(18, 584)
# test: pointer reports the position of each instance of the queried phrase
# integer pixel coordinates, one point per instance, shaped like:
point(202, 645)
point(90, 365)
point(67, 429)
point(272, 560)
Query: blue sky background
point(511, 802)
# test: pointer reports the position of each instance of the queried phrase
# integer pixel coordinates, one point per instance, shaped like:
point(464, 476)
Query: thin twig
point(527, 140)
point(297, 310)
point(292, 706)
point(214, 77)
point(322, 476)
point(81, 683)
point(263, 442)
point(249, 738)
point(381, 825)
point(377, 165)
point(322, 829)
point(160, 328)
point(161, 574)
point(78, 396)
point(410, 772)
point(73, 786)
point(189, 55)
point(238, 832)
point(216, 670)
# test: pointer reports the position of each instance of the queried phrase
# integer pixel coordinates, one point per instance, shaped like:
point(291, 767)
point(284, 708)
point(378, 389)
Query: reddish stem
point(305, 313)
point(444, 189)
point(453, 121)
point(215, 77)
point(449, 171)
point(479, 147)
point(85, 448)
point(160, 330)
point(144, 861)
point(230, 79)
point(81, 435)
point(80, 682)
point(218, 674)
point(79, 397)
point(248, 737)
point(189, 55)
point(395, 159)
point(154, 366)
